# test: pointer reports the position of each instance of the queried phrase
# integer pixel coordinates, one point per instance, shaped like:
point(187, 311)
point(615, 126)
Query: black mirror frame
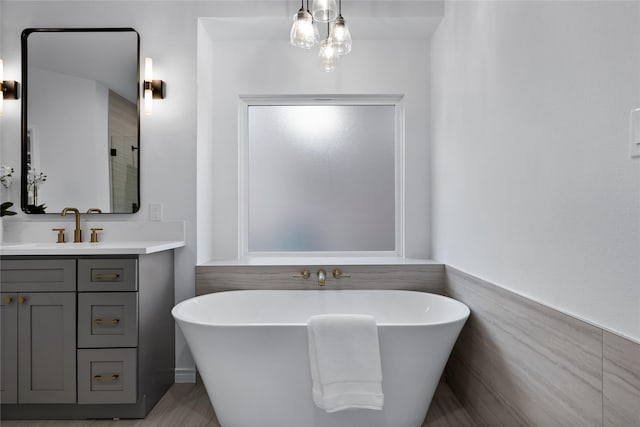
point(24, 128)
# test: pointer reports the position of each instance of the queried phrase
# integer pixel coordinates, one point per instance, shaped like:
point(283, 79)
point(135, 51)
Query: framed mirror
point(80, 120)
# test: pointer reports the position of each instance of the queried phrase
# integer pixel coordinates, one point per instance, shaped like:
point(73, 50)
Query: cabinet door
point(9, 348)
point(46, 344)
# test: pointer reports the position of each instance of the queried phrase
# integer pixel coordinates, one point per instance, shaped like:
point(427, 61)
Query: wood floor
point(187, 405)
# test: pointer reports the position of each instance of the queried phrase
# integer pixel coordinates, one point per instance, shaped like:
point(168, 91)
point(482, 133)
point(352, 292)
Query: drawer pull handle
point(22, 300)
point(113, 377)
point(107, 276)
point(106, 321)
point(8, 300)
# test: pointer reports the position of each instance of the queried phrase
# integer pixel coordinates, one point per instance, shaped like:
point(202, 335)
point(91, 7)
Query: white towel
point(344, 356)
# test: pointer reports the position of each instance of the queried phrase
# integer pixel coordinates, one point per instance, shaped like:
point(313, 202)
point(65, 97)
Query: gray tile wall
point(417, 277)
point(621, 381)
point(518, 362)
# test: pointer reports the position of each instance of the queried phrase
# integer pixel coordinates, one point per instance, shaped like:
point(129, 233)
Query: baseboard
point(185, 375)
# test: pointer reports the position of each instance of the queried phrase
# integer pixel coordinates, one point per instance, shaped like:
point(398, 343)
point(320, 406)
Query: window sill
point(318, 261)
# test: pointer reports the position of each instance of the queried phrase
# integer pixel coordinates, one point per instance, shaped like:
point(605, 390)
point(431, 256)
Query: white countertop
point(101, 248)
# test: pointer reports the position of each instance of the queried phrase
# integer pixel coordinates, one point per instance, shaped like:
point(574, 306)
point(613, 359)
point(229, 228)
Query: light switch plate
point(155, 211)
point(634, 133)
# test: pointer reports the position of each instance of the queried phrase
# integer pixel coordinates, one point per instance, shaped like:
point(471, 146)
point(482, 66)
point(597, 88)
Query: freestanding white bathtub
point(251, 350)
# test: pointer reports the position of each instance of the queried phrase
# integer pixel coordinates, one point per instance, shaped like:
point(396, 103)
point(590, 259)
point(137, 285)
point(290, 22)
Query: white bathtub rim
point(464, 315)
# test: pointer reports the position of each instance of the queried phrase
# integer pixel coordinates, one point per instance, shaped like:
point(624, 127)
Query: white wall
point(533, 186)
point(273, 67)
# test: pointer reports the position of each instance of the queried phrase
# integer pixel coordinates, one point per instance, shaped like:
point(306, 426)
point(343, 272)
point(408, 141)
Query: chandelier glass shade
point(324, 10)
point(328, 55)
point(303, 31)
point(341, 37)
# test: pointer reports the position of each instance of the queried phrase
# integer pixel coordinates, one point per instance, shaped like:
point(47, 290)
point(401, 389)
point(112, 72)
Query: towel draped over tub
point(344, 356)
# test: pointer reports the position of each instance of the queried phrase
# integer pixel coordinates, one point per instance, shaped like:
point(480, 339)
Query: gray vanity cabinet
point(89, 336)
point(38, 332)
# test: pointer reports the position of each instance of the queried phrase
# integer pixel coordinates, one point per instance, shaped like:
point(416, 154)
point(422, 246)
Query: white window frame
point(245, 101)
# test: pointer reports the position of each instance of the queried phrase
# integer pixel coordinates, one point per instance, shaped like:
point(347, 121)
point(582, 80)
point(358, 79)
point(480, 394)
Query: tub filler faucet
point(322, 276)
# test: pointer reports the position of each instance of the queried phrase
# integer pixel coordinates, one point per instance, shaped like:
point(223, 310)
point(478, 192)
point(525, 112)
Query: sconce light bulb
point(1, 99)
point(148, 69)
point(148, 101)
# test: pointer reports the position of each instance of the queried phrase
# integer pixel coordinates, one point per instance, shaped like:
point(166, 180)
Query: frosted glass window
point(321, 178)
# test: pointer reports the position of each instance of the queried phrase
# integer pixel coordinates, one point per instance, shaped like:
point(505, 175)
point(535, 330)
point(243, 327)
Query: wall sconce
point(9, 89)
point(153, 89)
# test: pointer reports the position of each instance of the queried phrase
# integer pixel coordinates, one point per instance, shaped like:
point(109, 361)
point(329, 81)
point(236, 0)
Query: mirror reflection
point(80, 120)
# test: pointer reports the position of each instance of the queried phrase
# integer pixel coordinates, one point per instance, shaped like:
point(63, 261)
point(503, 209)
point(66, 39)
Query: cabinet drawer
point(106, 275)
point(31, 275)
point(107, 375)
point(107, 319)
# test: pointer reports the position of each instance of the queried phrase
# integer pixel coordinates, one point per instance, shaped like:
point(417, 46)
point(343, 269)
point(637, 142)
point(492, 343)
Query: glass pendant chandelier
point(303, 31)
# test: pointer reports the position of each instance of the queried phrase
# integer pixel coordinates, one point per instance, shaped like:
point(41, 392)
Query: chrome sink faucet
point(77, 233)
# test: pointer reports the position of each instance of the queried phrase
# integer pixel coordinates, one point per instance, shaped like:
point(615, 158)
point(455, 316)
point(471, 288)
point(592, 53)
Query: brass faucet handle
point(305, 274)
point(94, 234)
point(338, 274)
point(94, 211)
point(60, 234)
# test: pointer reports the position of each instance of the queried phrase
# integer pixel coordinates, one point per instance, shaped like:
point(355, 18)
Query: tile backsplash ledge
point(113, 231)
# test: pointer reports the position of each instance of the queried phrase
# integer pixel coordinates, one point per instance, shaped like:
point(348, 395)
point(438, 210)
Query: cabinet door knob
point(8, 300)
point(22, 300)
